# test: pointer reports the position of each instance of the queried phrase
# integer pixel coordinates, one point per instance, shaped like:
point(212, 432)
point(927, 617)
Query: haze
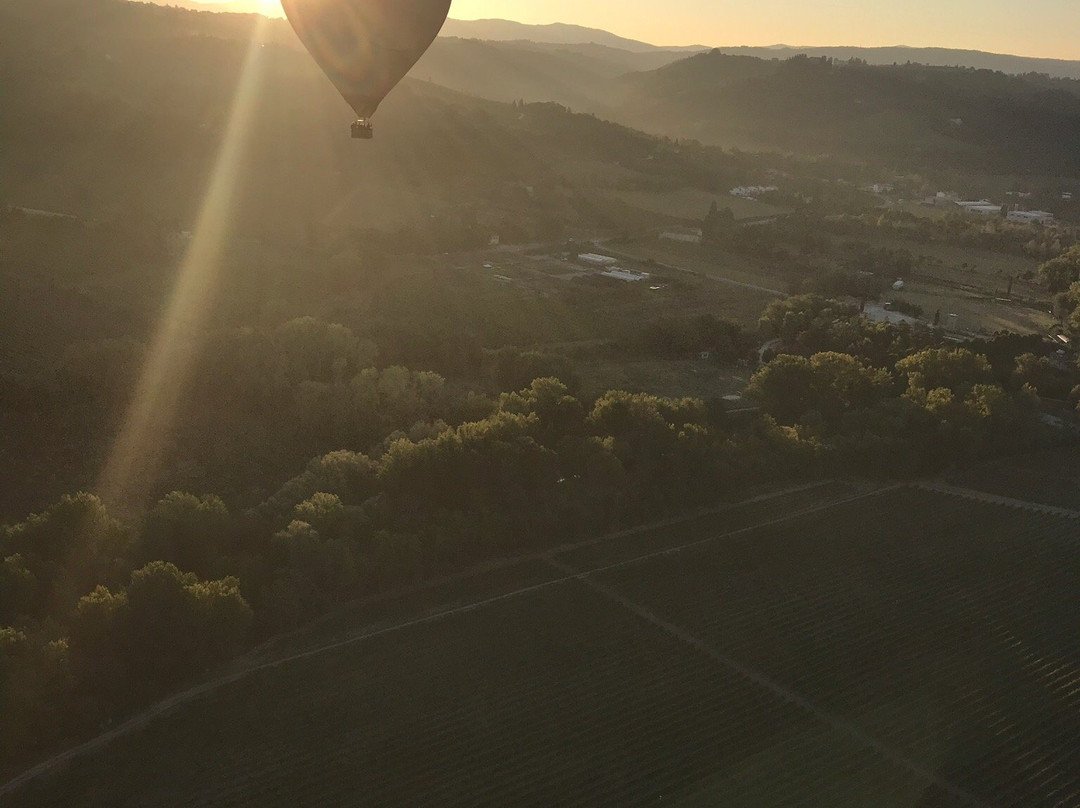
point(1044, 28)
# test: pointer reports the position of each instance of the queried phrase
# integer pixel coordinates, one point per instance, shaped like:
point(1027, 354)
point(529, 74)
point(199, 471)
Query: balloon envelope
point(366, 47)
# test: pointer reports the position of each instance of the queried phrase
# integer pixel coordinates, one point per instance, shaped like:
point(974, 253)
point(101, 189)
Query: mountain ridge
point(497, 30)
point(509, 31)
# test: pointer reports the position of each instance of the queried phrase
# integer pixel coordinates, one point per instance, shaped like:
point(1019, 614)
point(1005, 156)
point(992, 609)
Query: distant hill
point(224, 6)
point(935, 57)
point(124, 108)
point(909, 115)
point(556, 33)
point(583, 77)
point(496, 30)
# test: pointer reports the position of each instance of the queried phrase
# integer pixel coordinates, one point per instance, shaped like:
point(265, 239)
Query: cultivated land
point(969, 283)
point(691, 204)
point(832, 646)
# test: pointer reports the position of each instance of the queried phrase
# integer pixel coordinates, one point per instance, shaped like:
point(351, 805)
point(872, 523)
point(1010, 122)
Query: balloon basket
point(363, 130)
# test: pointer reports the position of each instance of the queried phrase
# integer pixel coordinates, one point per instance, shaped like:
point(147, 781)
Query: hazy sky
point(1027, 27)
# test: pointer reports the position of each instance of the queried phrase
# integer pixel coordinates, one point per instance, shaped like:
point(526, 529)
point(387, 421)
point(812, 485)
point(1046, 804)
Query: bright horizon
point(1040, 28)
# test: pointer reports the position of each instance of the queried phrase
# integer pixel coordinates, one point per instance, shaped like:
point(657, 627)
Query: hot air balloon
point(366, 47)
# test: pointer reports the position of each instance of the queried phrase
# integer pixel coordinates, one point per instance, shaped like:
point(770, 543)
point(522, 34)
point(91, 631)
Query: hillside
point(221, 6)
point(583, 77)
point(117, 115)
point(555, 33)
point(907, 116)
point(124, 107)
point(934, 57)
point(911, 116)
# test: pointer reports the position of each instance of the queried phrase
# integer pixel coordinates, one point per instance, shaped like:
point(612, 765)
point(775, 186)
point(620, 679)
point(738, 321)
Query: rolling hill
point(933, 57)
point(123, 107)
point(555, 33)
point(912, 116)
point(583, 77)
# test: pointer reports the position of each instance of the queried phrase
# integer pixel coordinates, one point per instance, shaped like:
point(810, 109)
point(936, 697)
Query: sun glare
point(271, 8)
point(130, 470)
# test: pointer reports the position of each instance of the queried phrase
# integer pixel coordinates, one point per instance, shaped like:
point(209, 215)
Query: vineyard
point(1047, 478)
point(906, 648)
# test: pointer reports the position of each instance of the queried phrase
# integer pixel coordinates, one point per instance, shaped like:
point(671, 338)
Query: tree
point(956, 370)
point(1058, 274)
point(165, 627)
point(68, 549)
point(191, 532)
point(829, 384)
point(718, 224)
point(784, 388)
point(18, 589)
point(1068, 308)
point(348, 475)
point(1043, 376)
point(511, 369)
point(559, 414)
point(324, 512)
point(313, 350)
point(314, 573)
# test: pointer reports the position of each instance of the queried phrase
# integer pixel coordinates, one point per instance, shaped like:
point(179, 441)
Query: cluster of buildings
point(753, 191)
point(611, 268)
point(1041, 217)
point(988, 209)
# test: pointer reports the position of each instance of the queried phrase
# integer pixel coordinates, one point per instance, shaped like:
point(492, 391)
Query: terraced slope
point(905, 649)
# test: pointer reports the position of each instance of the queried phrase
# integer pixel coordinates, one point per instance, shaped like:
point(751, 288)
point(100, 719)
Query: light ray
point(133, 462)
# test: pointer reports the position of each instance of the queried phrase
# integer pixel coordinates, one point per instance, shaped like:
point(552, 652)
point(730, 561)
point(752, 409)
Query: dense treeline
point(100, 615)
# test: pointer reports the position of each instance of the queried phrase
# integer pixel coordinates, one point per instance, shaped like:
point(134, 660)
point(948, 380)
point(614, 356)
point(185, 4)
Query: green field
point(963, 281)
point(903, 648)
point(971, 283)
point(674, 379)
point(691, 204)
point(1048, 478)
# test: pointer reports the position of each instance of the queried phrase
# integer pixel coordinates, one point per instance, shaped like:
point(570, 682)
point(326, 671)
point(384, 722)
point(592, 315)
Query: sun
point(270, 8)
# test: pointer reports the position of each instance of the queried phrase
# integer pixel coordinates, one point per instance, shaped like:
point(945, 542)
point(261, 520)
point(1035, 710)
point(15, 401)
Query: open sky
point(1048, 28)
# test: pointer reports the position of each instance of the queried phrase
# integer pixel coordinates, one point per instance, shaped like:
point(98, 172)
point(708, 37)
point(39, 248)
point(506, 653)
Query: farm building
point(682, 236)
point(1031, 217)
point(982, 207)
point(598, 260)
point(625, 275)
point(753, 191)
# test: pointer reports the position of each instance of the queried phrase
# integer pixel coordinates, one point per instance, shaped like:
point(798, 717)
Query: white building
point(752, 191)
point(943, 200)
point(683, 238)
point(598, 260)
point(983, 207)
point(1041, 217)
point(625, 275)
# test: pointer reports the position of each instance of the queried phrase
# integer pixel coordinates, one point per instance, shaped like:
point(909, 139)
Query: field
point(898, 648)
point(691, 205)
point(675, 379)
point(967, 282)
point(970, 283)
point(1048, 478)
